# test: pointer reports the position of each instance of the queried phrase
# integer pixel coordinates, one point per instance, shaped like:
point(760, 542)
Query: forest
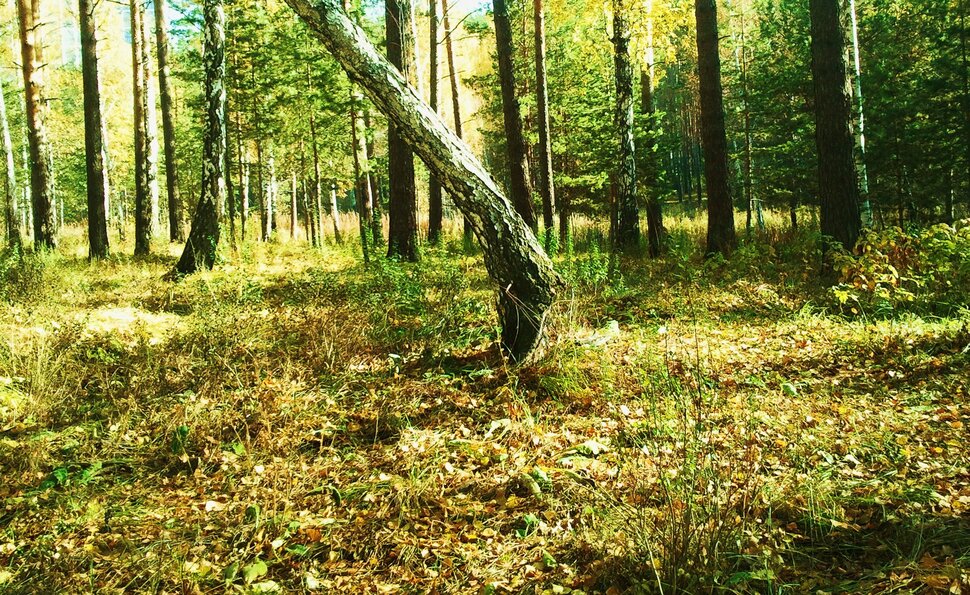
point(490, 297)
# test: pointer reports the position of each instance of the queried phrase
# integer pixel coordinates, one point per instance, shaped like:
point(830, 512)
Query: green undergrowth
point(296, 422)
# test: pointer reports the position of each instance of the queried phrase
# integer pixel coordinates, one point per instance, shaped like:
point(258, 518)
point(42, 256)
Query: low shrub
point(926, 271)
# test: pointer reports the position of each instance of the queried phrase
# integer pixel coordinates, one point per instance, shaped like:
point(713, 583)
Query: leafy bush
point(894, 270)
point(23, 275)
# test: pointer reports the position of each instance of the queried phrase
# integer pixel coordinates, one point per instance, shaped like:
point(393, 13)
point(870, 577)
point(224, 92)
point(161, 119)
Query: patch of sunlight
point(125, 320)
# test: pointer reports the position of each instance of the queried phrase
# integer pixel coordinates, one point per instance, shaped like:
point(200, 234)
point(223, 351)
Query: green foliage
point(25, 276)
point(924, 271)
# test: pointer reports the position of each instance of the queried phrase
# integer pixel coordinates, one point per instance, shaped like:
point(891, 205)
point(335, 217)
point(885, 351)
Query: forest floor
point(296, 422)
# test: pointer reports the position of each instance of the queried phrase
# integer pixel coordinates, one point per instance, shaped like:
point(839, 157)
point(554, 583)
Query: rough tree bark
point(200, 248)
point(721, 236)
point(627, 212)
point(362, 189)
point(41, 187)
point(143, 207)
point(455, 96)
point(377, 194)
point(10, 215)
point(151, 121)
point(838, 187)
point(515, 260)
point(547, 190)
point(175, 231)
point(649, 167)
point(520, 186)
point(93, 128)
point(435, 208)
point(402, 200)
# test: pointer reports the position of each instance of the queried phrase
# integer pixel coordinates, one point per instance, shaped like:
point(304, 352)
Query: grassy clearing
point(295, 422)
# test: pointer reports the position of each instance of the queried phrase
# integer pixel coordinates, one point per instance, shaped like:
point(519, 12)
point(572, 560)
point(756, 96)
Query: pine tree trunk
point(230, 191)
point(435, 208)
point(720, 208)
point(200, 249)
point(376, 192)
point(294, 220)
point(260, 194)
point(520, 187)
point(965, 100)
point(143, 206)
point(10, 193)
point(838, 187)
point(317, 185)
point(627, 212)
point(547, 189)
point(175, 232)
point(243, 178)
point(362, 187)
point(649, 168)
point(515, 260)
point(41, 189)
point(93, 128)
point(455, 95)
point(402, 205)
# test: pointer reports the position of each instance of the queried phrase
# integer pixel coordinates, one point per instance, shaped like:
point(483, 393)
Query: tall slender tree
point(520, 185)
point(721, 236)
point(649, 166)
point(838, 187)
point(402, 201)
point(41, 180)
point(860, 122)
point(363, 191)
point(143, 198)
point(435, 209)
point(627, 231)
point(200, 248)
point(547, 190)
point(93, 128)
point(455, 94)
point(175, 231)
point(10, 215)
point(151, 121)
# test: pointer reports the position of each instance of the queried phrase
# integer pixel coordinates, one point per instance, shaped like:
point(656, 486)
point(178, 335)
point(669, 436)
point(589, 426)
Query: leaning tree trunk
point(520, 185)
point(402, 200)
point(838, 187)
point(435, 209)
point(10, 215)
point(721, 236)
point(175, 232)
point(513, 256)
point(143, 206)
point(93, 128)
point(547, 189)
point(41, 187)
point(627, 213)
point(200, 249)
